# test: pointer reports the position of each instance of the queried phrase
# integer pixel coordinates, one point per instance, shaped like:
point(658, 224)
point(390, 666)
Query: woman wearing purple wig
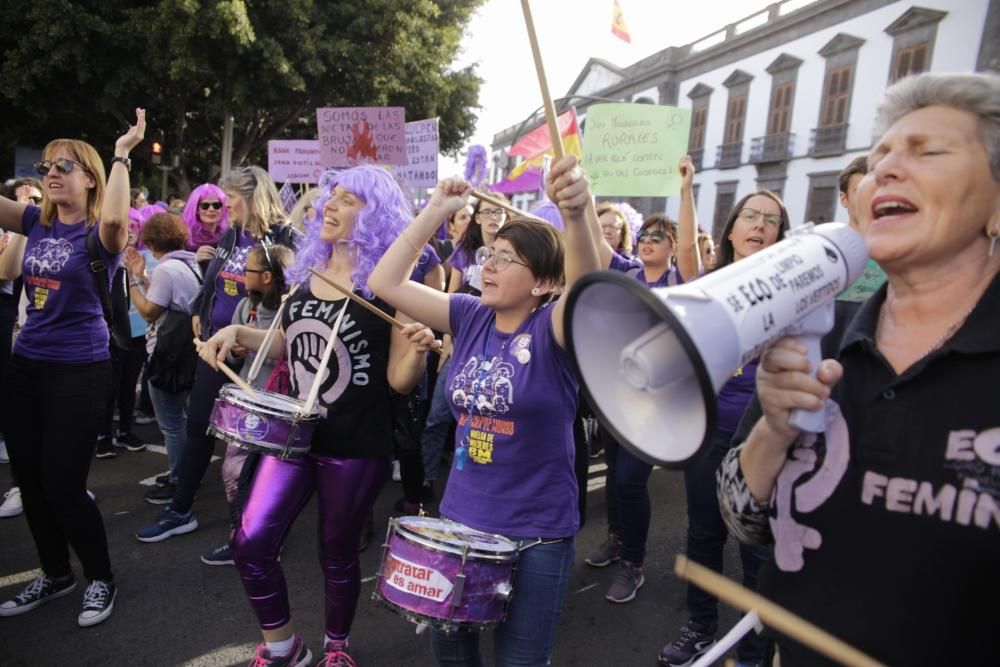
point(362, 210)
point(207, 218)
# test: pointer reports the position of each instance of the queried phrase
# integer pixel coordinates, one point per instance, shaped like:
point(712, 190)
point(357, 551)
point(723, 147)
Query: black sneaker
point(162, 480)
point(130, 442)
point(106, 447)
point(98, 603)
point(161, 495)
point(42, 589)
point(687, 648)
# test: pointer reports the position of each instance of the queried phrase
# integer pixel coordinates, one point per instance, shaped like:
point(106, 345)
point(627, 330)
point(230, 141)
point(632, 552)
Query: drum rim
point(444, 547)
point(293, 452)
point(248, 404)
point(446, 626)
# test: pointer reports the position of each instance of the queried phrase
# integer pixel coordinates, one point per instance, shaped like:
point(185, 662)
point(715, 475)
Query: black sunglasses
point(205, 205)
point(63, 165)
point(35, 200)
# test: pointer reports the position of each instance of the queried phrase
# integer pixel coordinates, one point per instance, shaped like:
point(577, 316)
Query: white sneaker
point(11, 503)
point(396, 477)
point(4, 458)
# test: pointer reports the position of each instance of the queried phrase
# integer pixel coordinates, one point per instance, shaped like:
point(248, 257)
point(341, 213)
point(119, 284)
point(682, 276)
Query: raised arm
point(391, 278)
point(567, 187)
point(113, 228)
point(688, 256)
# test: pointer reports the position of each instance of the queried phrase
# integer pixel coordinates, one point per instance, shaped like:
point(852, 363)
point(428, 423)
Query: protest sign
point(632, 150)
point(294, 161)
point(422, 152)
point(287, 196)
point(361, 135)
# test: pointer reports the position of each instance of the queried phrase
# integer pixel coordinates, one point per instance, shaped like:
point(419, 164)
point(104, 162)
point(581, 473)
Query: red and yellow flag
point(535, 145)
point(618, 27)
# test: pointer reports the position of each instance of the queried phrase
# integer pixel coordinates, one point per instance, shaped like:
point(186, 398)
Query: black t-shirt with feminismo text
point(354, 394)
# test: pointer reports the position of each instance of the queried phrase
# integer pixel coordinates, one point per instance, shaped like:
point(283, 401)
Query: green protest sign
point(632, 150)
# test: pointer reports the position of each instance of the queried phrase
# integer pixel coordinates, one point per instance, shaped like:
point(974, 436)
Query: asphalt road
point(174, 610)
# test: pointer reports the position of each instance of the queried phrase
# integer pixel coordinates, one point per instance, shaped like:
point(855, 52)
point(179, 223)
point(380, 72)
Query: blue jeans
point(436, 428)
point(171, 416)
point(627, 495)
point(526, 635)
point(706, 539)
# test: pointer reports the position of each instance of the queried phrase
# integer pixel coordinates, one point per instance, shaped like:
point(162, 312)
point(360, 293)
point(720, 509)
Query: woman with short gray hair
point(885, 527)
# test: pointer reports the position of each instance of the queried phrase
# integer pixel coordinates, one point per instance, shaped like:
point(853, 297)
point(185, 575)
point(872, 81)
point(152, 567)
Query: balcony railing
point(829, 140)
point(728, 155)
point(696, 157)
point(772, 148)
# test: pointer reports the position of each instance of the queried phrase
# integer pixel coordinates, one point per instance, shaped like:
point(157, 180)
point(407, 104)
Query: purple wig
point(550, 213)
point(633, 217)
point(382, 219)
point(475, 166)
point(138, 217)
point(199, 234)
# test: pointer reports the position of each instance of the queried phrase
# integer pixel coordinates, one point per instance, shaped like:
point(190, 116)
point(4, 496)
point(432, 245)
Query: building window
point(699, 119)
point(822, 203)
point(700, 96)
point(836, 96)
point(730, 151)
point(911, 60)
point(735, 115)
point(781, 108)
point(913, 35)
point(725, 197)
point(841, 53)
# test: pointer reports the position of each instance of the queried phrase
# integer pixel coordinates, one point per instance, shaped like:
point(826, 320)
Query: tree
point(79, 69)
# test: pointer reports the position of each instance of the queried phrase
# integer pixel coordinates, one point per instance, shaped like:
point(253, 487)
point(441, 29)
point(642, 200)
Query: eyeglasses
point(611, 227)
point(501, 260)
point(35, 200)
point(651, 237)
point(205, 205)
point(63, 165)
point(753, 215)
point(249, 270)
point(493, 213)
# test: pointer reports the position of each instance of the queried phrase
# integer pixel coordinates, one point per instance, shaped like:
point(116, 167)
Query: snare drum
point(440, 573)
point(268, 423)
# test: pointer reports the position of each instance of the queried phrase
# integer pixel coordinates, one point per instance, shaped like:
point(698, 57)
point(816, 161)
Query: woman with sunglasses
point(512, 474)
point(207, 219)
point(254, 213)
point(757, 221)
point(55, 388)
point(361, 211)
point(626, 489)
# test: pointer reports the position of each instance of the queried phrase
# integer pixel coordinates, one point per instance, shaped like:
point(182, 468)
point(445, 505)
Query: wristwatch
point(124, 160)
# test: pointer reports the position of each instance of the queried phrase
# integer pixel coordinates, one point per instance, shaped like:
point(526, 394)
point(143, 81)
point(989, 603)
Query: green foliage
point(79, 68)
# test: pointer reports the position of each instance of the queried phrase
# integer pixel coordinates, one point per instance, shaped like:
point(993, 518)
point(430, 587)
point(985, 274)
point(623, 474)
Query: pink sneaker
point(299, 657)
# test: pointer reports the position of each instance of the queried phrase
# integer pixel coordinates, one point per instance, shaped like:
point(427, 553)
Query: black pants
point(52, 413)
point(125, 368)
point(197, 452)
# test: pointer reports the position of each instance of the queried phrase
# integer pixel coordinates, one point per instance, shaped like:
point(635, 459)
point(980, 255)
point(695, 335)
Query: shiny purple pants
point(347, 490)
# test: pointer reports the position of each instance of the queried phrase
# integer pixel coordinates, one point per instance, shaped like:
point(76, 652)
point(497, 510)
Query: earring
point(535, 291)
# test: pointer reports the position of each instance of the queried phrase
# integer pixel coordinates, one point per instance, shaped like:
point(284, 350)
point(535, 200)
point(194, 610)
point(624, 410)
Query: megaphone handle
point(811, 421)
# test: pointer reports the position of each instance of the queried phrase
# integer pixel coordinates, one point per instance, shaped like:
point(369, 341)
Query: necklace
point(948, 333)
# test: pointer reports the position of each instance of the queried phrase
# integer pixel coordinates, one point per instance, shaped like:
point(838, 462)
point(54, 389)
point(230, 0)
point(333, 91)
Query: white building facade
point(785, 98)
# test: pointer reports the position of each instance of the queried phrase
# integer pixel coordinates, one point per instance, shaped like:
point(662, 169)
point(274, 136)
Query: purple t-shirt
point(230, 284)
point(65, 321)
point(428, 261)
point(634, 268)
point(518, 479)
point(471, 271)
point(735, 396)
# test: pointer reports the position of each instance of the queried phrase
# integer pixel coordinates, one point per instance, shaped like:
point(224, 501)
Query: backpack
point(172, 364)
point(114, 299)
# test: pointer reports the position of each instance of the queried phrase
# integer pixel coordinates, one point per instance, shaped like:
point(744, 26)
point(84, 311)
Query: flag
point(535, 145)
point(618, 27)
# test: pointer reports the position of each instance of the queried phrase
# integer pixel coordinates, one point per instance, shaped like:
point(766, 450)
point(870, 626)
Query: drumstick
point(231, 374)
point(314, 390)
point(357, 299)
point(771, 614)
point(507, 207)
point(265, 347)
point(550, 110)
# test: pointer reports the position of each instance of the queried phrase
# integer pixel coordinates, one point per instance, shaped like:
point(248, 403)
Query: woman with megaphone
point(757, 221)
point(885, 526)
point(514, 395)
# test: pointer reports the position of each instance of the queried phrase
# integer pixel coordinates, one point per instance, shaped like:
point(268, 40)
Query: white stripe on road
point(233, 654)
point(19, 578)
point(586, 588)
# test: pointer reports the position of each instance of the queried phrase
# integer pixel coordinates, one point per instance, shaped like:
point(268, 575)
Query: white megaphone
point(651, 361)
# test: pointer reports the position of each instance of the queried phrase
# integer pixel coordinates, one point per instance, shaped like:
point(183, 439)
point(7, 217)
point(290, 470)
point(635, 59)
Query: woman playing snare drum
point(512, 391)
point(362, 210)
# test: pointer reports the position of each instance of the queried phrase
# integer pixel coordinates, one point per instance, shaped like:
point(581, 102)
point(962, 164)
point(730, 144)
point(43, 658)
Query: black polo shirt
point(887, 534)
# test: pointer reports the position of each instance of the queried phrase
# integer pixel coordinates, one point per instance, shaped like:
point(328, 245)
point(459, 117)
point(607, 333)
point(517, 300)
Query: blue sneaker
point(168, 524)
point(687, 648)
point(219, 556)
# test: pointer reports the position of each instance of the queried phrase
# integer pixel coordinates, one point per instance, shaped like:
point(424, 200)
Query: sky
point(570, 32)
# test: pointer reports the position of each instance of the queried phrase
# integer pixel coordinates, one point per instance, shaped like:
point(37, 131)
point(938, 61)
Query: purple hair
point(632, 217)
point(137, 219)
point(550, 213)
point(382, 219)
point(199, 235)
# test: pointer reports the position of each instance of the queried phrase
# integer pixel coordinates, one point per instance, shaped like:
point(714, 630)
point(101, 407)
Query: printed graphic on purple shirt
point(230, 285)
point(514, 398)
point(65, 320)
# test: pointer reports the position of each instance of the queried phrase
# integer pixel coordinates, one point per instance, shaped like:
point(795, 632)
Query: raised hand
point(134, 135)
point(567, 185)
point(134, 262)
point(686, 169)
point(451, 194)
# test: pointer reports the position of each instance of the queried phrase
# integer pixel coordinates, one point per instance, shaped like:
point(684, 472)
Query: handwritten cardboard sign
point(294, 161)
point(422, 153)
point(361, 135)
point(633, 149)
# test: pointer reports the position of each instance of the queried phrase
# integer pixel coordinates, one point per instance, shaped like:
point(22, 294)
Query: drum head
point(264, 401)
point(451, 536)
